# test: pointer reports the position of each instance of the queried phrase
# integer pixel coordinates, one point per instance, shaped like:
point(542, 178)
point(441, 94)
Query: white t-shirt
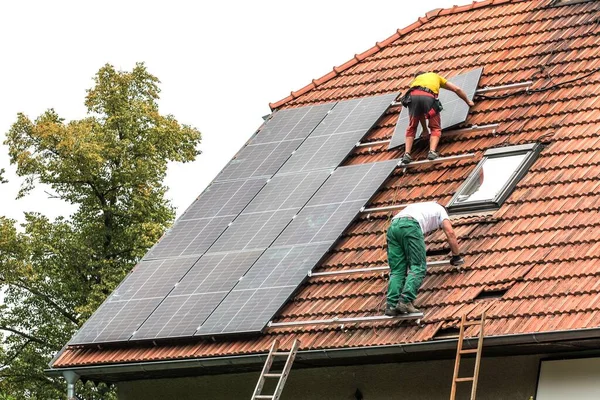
point(429, 215)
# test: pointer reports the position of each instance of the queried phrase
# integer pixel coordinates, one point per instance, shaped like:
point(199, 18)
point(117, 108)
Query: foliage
point(111, 165)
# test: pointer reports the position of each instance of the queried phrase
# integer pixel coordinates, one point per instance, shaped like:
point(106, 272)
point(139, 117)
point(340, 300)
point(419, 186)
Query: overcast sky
point(220, 64)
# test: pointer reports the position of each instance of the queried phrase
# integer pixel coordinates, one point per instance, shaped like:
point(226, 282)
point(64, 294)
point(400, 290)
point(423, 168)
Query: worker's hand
point(457, 260)
point(425, 134)
point(470, 103)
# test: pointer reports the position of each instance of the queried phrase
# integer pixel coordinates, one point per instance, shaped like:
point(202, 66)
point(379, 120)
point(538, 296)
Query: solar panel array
point(220, 251)
point(455, 110)
point(265, 288)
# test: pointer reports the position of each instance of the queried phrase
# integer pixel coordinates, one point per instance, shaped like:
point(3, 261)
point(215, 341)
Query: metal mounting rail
point(438, 160)
point(517, 85)
point(473, 128)
point(342, 321)
point(367, 144)
point(386, 208)
point(372, 269)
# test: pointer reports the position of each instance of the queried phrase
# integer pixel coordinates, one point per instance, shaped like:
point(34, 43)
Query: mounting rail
point(342, 321)
point(517, 85)
point(372, 269)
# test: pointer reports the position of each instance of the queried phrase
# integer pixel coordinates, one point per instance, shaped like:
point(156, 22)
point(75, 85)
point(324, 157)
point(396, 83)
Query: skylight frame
point(531, 151)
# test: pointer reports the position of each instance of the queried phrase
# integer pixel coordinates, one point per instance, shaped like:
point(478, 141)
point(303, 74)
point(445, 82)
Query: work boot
point(411, 308)
point(390, 311)
point(432, 155)
point(406, 158)
point(401, 308)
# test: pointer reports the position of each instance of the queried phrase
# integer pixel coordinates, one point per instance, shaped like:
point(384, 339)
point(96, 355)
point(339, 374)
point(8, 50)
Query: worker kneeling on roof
point(423, 104)
point(407, 256)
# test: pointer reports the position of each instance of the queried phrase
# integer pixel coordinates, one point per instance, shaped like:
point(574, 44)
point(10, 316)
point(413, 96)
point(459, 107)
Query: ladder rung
point(471, 323)
point(470, 351)
point(469, 379)
point(272, 375)
point(264, 396)
point(281, 353)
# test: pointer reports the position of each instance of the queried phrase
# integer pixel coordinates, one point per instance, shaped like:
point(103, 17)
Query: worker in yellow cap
point(423, 104)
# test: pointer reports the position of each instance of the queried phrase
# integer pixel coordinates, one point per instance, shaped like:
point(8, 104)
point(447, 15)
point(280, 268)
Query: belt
point(424, 89)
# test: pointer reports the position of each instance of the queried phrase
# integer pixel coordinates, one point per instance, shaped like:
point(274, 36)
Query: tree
point(111, 165)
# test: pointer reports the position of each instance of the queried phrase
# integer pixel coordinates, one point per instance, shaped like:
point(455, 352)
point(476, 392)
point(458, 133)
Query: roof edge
point(431, 15)
point(332, 353)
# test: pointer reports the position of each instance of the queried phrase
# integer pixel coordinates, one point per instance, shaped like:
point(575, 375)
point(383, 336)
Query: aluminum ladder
point(281, 376)
point(460, 351)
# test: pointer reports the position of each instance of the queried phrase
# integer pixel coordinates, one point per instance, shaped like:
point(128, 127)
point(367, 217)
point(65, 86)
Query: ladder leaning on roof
point(460, 350)
point(282, 376)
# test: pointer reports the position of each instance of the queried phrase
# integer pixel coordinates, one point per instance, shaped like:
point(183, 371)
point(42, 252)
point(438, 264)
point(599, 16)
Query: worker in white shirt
point(407, 255)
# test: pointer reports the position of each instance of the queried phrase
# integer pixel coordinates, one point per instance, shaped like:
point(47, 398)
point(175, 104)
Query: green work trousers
point(407, 260)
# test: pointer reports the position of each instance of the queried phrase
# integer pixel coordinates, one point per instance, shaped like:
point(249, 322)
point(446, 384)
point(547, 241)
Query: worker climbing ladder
point(460, 351)
point(281, 376)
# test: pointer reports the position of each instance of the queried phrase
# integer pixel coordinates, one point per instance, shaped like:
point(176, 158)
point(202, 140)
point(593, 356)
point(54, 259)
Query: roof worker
point(406, 252)
point(423, 104)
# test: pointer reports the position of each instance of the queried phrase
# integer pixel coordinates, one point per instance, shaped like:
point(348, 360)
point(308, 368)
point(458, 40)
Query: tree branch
point(25, 335)
point(48, 300)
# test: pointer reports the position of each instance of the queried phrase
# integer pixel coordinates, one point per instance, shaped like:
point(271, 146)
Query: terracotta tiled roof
point(542, 246)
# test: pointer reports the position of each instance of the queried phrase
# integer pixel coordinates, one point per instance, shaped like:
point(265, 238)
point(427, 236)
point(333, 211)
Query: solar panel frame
point(455, 109)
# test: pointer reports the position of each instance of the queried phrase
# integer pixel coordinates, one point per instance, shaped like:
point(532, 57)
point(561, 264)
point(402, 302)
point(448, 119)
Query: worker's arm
point(460, 93)
point(452, 241)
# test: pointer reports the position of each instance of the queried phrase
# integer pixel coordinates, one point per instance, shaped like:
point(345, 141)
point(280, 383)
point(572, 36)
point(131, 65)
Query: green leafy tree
point(111, 165)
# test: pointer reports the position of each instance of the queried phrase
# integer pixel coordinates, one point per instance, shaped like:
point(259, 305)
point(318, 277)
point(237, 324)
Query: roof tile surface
point(542, 246)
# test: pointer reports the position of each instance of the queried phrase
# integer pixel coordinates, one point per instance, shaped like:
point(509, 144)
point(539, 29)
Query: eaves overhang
point(530, 343)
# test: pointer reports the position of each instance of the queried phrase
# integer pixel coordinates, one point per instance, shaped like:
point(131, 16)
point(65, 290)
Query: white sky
point(220, 63)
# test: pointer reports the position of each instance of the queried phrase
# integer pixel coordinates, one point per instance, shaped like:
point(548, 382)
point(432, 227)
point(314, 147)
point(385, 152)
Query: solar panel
point(133, 300)
point(455, 110)
point(228, 259)
point(329, 144)
point(224, 198)
point(292, 123)
point(257, 160)
point(274, 143)
point(232, 223)
point(276, 275)
point(197, 295)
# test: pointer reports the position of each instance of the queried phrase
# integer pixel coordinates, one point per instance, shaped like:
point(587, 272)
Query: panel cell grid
point(256, 160)
point(191, 237)
point(246, 310)
point(293, 123)
point(331, 142)
point(224, 198)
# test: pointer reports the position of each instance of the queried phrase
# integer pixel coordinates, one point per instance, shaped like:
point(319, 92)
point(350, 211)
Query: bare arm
point(452, 241)
point(460, 93)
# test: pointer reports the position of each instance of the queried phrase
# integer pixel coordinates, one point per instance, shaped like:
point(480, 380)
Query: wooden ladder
point(460, 351)
point(281, 376)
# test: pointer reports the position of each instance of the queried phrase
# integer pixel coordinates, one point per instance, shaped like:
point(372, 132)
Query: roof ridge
point(431, 15)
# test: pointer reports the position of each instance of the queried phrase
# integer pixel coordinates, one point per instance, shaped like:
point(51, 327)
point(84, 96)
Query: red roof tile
point(542, 246)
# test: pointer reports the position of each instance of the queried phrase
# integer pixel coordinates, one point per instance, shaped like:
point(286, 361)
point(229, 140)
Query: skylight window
point(494, 178)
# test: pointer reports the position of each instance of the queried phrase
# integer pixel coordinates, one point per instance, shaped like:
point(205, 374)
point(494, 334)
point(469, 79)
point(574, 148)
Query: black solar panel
point(194, 271)
point(140, 292)
point(293, 123)
point(331, 142)
point(197, 295)
point(276, 275)
point(221, 199)
point(455, 110)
